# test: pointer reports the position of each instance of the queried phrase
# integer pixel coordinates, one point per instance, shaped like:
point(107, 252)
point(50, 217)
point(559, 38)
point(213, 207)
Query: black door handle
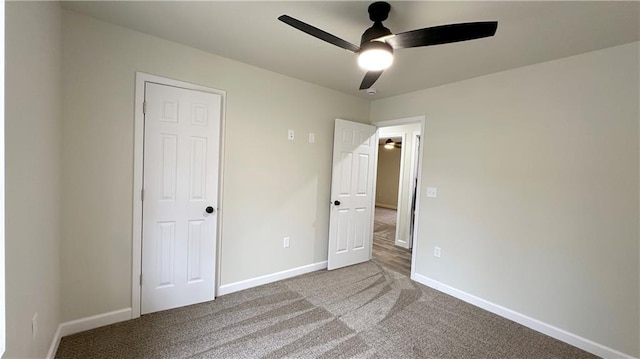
point(337, 203)
point(209, 209)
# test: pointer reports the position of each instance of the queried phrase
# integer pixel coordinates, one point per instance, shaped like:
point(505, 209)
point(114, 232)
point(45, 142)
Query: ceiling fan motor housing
point(376, 45)
point(378, 12)
point(374, 32)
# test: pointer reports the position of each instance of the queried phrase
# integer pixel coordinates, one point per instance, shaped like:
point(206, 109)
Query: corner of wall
point(33, 56)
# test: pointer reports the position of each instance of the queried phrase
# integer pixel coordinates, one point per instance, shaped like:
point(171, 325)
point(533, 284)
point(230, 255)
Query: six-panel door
point(351, 217)
point(181, 155)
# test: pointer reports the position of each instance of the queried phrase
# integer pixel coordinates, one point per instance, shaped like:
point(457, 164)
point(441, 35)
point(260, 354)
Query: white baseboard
point(554, 332)
point(83, 324)
point(401, 243)
point(270, 278)
point(388, 206)
point(55, 342)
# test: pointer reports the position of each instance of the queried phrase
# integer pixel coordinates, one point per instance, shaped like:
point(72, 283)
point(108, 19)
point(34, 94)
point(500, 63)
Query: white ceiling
point(528, 32)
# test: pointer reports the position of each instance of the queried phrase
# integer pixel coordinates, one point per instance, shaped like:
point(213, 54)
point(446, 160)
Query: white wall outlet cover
point(432, 192)
point(286, 242)
point(436, 252)
point(290, 135)
point(312, 137)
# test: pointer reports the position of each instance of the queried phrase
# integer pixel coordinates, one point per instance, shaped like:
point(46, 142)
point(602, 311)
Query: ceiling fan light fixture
point(389, 144)
point(375, 56)
point(377, 43)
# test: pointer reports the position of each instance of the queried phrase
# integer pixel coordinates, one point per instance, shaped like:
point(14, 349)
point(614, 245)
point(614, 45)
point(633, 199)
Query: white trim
point(3, 317)
point(535, 324)
point(416, 224)
point(55, 342)
point(84, 324)
point(270, 278)
point(388, 206)
point(372, 225)
point(401, 242)
point(218, 247)
point(94, 321)
point(415, 166)
point(400, 121)
point(138, 166)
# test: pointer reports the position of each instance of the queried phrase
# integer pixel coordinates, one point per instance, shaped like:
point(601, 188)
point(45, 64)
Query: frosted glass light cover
point(375, 59)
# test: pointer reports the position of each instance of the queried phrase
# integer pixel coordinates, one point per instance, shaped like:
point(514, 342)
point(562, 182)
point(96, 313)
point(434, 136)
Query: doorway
point(353, 193)
point(396, 195)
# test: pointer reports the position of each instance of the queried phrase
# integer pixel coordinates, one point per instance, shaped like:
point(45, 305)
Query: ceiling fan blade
point(369, 79)
point(444, 34)
point(320, 34)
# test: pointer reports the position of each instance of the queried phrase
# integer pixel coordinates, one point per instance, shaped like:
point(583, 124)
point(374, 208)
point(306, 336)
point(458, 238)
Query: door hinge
point(142, 194)
point(144, 107)
point(140, 279)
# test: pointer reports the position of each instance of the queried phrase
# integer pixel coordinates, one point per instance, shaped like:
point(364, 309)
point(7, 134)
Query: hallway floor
point(385, 252)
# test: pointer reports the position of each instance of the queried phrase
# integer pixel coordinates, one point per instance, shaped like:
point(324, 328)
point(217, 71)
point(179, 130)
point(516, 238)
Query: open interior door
point(352, 193)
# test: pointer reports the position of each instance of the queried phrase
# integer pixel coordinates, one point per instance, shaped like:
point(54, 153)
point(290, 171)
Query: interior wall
point(32, 193)
point(273, 188)
point(403, 227)
point(537, 177)
point(388, 177)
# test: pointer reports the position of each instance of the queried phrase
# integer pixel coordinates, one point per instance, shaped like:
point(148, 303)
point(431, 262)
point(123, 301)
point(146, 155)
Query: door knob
point(337, 203)
point(209, 209)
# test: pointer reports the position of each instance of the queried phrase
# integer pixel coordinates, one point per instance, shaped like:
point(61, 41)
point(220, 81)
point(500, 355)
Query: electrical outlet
point(285, 244)
point(34, 325)
point(432, 192)
point(290, 135)
point(312, 137)
point(436, 252)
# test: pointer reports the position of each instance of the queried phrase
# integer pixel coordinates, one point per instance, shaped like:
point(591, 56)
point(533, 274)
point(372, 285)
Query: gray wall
point(32, 140)
point(388, 177)
point(537, 177)
point(272, 187)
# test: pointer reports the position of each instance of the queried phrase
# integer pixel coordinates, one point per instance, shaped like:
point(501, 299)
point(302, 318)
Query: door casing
point(138, 172)
point(423, 125)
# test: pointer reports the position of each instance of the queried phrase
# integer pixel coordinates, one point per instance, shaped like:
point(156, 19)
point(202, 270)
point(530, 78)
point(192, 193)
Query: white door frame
point(423, 125)
point(138, 171)
point(415, 157)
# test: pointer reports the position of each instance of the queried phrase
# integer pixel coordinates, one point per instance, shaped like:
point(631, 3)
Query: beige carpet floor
point(362, 311)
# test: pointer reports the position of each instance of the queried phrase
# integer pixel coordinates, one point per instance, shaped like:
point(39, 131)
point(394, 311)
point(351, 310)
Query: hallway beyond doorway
point(385, 252)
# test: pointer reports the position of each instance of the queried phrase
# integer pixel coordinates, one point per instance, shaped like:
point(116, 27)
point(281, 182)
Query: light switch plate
point(312, 137)
point(436, 252)
point(432, 192)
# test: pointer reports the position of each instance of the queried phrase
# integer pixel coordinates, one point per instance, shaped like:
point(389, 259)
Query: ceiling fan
point(391, 144)
point(377, 43)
